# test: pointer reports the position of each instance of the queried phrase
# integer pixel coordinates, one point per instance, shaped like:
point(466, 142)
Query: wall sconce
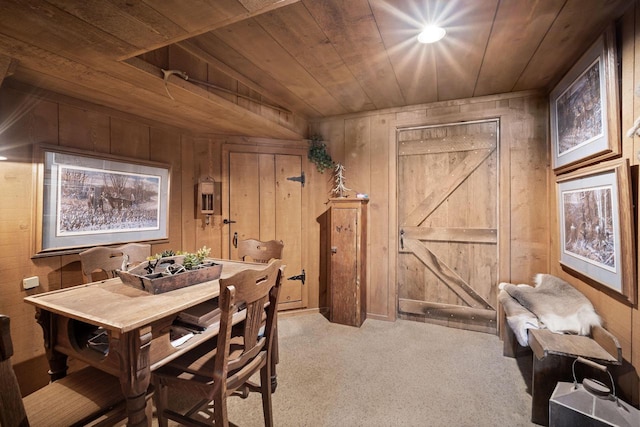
point(206, 198)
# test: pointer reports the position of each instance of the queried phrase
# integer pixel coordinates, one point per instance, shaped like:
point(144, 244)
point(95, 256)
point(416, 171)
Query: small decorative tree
point(340, 189)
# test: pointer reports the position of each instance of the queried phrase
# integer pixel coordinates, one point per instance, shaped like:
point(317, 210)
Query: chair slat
point(102, 262)
point(258, 251)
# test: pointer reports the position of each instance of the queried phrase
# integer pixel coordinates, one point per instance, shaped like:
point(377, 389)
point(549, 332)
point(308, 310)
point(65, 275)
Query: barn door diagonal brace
point(446, 187)
point(447, 275)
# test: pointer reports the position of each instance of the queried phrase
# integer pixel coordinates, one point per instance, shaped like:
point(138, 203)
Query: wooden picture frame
point(596, 226)
point(584, 112)
point(87, 199)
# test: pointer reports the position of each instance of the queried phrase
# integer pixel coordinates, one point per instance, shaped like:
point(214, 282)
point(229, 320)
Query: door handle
point(235, 239)
point(228, 221)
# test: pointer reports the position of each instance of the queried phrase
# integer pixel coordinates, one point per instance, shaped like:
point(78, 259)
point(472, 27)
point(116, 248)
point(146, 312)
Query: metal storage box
point(572, 405)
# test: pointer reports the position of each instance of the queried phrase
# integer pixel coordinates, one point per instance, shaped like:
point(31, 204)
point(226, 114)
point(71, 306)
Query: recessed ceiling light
point(431, 34)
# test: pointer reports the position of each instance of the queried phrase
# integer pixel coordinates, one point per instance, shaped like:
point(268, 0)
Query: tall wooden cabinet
point(346, 247)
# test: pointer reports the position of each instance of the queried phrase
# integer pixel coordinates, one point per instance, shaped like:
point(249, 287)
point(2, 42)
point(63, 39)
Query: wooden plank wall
point(621, 319)
point(630, 36)
point(31, 118)
point(366, 144)
point(28, 117)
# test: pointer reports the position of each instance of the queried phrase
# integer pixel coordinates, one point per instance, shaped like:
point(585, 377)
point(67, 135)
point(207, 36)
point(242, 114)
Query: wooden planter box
point(157, 283)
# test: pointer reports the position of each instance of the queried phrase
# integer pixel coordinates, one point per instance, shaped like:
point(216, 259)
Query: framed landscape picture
point(596, 225)
point(585, 124)
point(88, 199)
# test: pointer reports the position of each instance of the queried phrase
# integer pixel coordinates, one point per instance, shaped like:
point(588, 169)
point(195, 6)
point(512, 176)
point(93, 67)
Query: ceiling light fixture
point(431, 34)
point(3, 158)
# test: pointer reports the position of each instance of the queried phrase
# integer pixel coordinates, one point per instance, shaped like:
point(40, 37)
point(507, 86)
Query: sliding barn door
point(265, 203)
point(447, 212)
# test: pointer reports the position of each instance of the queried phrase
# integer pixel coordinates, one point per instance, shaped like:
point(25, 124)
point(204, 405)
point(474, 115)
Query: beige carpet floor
point(390, 374)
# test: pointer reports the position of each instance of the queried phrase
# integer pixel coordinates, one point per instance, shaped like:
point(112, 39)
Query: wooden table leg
point(57, 360)
point(135, 372)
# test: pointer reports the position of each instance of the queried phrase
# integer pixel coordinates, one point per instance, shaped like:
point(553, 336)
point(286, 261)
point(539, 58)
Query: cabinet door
point(343, 270)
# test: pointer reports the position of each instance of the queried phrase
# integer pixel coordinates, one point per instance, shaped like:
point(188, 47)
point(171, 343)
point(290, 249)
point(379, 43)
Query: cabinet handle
point(401, 239)
point(334, 249)
point(235, 239)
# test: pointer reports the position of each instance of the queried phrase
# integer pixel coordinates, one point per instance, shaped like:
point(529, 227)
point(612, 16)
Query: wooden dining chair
point(101, 262)
point(215, 369)
point(83, 396)
point(258, 251)
point(263, 252)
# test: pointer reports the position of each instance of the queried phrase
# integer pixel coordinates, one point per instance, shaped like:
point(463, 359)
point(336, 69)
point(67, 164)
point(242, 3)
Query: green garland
point(318, 154)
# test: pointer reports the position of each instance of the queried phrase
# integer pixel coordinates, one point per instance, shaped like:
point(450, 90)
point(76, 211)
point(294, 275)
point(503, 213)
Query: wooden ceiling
point(309, 58)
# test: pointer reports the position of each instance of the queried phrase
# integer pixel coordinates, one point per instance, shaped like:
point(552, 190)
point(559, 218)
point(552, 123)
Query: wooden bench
point(553, 355)
point(81, 397)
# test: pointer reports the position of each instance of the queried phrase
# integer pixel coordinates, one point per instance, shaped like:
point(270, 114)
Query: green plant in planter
point(191, 259)
point(318, 154)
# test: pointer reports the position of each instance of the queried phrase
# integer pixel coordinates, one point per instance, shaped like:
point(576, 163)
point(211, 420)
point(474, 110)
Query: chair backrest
point(257, 251)
point(12, 412)
point(256, 292)
point(102, 262)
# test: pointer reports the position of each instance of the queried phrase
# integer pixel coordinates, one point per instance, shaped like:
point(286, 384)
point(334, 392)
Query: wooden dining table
point(137, 325)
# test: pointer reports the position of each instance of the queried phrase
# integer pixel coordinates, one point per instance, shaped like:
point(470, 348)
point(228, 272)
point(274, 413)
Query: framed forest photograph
point(88, 199)
point(596, 225)
point(585, 124)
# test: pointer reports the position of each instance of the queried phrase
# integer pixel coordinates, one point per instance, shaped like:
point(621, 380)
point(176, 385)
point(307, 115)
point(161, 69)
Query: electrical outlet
point(30, 282)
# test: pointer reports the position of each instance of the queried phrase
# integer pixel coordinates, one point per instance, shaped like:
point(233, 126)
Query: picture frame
point(584, 111)
point(596, 226)
point(87, 199)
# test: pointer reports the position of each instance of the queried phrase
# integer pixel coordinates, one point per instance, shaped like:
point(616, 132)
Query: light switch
point(30, 282)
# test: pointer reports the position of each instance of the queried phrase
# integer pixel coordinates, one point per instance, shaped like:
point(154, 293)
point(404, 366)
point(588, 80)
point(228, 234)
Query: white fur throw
point(559, 306)
point(635, 129)
point(520, 319)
